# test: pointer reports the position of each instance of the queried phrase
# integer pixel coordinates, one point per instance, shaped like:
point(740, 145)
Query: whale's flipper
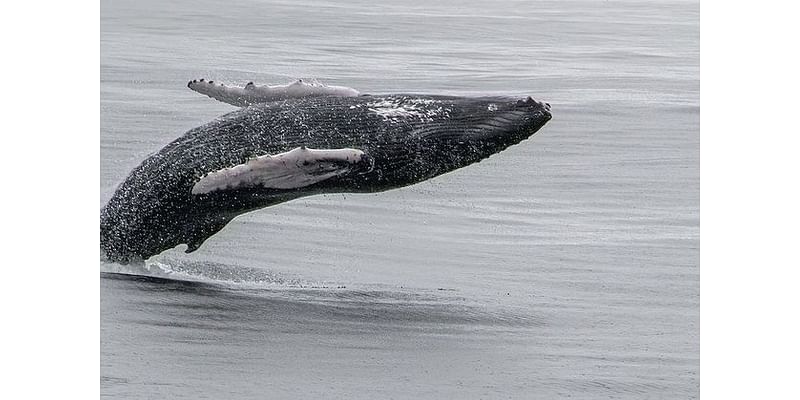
point(293, 169)
point(252, 94)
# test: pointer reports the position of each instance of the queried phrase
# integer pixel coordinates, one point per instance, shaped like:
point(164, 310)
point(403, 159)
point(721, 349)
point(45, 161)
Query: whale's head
point(470, 130)
point(503, 123)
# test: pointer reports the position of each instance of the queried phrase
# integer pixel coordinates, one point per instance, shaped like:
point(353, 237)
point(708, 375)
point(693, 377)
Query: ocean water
point(565, 267)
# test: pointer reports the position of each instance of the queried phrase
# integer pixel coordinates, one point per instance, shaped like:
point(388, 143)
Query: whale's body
point(269, 153)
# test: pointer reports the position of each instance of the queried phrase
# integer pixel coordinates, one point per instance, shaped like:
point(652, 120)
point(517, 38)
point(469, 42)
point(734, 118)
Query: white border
point(749, 200)
point(50, 163)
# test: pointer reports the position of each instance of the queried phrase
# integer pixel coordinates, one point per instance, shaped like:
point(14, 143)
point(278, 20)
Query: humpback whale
point(301, 143)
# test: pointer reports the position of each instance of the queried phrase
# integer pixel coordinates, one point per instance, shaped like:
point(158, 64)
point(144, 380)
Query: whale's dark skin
point(154, 208)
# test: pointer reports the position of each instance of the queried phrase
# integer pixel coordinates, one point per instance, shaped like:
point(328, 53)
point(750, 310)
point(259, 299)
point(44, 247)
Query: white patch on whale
point(394, 108)
point(297, 168)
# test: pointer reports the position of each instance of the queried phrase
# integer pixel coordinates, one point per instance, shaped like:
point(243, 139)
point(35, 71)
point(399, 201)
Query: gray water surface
point(566, 266)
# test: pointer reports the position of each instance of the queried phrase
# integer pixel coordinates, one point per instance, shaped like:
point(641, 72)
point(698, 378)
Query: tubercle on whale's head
point(537, 107)
point(524, 118)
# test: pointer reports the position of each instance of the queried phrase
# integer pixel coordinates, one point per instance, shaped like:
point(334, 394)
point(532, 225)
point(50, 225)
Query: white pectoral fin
point(293, 169)
point(236, 96)
point(252, 94)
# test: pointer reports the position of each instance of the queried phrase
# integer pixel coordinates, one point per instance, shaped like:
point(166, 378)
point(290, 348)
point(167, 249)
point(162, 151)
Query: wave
point(245, 293)
point(203, 271)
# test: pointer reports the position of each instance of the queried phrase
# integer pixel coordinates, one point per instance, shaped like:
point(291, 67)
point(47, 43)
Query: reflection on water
point(184, 328)
point(216, 306)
